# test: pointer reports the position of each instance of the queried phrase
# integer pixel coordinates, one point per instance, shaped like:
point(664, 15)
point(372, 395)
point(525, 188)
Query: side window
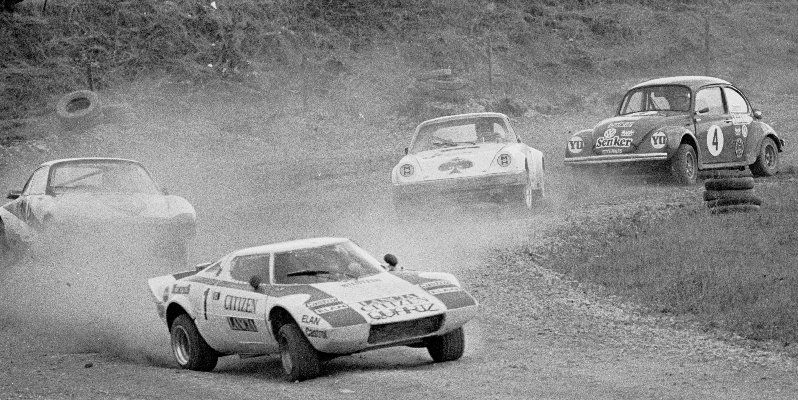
point(37, 184)
point(214, 269)
point(633, 103)
point(709, 98)
point(735, 101)
point(245, 267)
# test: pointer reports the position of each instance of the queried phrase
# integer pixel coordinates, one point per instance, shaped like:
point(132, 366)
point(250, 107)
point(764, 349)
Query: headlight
point(406, 170)
point(504, 160)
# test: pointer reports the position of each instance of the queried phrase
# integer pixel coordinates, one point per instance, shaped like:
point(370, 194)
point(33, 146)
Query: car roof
point(289, 246)
point(692, 81)
point(462, 116)
point(66, 160)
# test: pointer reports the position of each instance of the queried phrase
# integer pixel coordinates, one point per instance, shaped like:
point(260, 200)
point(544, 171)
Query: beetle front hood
point(624, 134)
point(111, 206)
point(459, 162)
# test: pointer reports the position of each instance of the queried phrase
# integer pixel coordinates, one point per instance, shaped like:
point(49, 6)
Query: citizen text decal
point(241, 304)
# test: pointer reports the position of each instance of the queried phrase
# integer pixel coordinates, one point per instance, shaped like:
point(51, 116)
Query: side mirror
point(14, 194)
point(406, 150)
point(391, 260)
point(757, 114)
point(255, 281)
point(199, 267)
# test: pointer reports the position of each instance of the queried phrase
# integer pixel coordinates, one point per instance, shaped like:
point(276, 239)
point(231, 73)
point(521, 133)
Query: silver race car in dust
point(309, 300)
point(685, 123)
point(95, 198)
point(465, 156)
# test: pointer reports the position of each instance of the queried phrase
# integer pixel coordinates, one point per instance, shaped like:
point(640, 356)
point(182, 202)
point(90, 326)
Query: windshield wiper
point(310, 272)
point(441, 141)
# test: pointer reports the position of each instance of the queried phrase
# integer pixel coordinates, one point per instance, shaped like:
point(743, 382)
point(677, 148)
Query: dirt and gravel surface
point(81, 326)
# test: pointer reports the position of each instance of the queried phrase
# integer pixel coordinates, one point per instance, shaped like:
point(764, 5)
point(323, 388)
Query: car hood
point(627, 132)
point(102, 206)
point(459, 162)
point(382, 298)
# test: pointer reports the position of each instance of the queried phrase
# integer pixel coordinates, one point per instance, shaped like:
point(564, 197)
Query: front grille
point(404, 330)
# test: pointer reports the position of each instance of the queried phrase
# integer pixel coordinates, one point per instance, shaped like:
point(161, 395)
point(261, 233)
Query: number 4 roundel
point(714, 140)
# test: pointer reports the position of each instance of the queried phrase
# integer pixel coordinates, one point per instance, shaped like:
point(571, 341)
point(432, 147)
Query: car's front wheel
point(767, 163)
point(447, 347)
point(189, 348)
point(299, 359)
point(684, 165)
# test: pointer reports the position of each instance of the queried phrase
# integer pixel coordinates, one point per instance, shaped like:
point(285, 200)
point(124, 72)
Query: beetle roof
point(462, 116)
point(290, 245)
point(693, 82)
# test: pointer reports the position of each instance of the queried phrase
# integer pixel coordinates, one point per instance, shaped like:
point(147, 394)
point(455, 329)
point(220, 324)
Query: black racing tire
point(733, 201)
point(737, 183)
point(747, 195)
point(767, 162)
point(299, 359)
point(189, 348)
point(78, 109)
point(684, 165)
point(734, 209)
point(447, 347)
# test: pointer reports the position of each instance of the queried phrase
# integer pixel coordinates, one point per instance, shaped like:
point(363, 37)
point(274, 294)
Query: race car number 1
point(715, 140)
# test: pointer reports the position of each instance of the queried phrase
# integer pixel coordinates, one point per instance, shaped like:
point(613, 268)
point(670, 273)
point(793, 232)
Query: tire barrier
point(731, 195)
point(78, 110)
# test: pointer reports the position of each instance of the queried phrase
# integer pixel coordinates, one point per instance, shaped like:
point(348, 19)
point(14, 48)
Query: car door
point(714, 127)
point(237, 310)
point(742, 116)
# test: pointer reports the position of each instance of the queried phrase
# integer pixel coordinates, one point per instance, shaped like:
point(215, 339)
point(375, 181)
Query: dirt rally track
point(81, 326)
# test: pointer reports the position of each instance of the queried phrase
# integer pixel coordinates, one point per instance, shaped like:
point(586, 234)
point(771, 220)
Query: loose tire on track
point(447, 347)
point(78, 110)
point(299, 359)
point(733, 201)
point(684, 165)
point(189, 348)
point(738, 183)
point(767, 163)
point(734, 209)
point(742, 195)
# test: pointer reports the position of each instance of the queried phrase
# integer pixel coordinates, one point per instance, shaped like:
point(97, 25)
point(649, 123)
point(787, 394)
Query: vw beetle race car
point(463, 155)
point(688, 123)
point(95, 197)
point(308, 300)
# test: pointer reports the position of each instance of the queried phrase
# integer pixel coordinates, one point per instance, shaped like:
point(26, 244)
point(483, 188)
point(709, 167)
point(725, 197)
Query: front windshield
point(101, 177)
point(656, 98)
point(462, 132)
point(335, 262)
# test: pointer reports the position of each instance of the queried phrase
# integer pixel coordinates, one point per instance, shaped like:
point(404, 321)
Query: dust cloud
point(253, 178)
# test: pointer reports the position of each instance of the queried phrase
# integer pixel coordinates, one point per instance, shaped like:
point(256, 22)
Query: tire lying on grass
point(734, 208)
point(741, 196)
point(78, 110)
point(739, 183)
point(732, 194)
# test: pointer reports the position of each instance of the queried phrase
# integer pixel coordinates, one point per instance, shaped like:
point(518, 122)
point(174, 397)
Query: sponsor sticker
point(427, 285)
point(627, 132)
point(181, 289)
point(739, 147)
point(310, 319)
point(610, 133)
point(621, 124)
point(745, 131)
point(241, 304)
point(455, 165)
point(322, 302)
point(315, 333)
point(242, 324)
point(658, 140)
point(329, 309)
point(394, 306)
point(741, 119)
point(614, 141)
point(360, 282)
point(575, 144)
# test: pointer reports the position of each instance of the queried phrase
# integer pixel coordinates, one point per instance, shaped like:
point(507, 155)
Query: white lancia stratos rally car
point(94, 197)
point(466, 156)
point(309, 300)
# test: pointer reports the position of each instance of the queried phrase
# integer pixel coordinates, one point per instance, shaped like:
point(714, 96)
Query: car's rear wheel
point(684, 165)
point(189, 348)
point(299, 359)
point(767, 163)
point(447, 347)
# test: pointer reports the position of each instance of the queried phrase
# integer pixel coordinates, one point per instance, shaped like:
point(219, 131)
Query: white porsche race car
point(94, 198)
point(309, 300)
point(460, 156)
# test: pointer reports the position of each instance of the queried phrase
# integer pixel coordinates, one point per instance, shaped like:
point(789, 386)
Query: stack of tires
point(731, 194)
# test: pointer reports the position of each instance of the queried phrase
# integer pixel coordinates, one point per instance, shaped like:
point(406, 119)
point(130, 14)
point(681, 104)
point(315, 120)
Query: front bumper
point(617, 158)
point(485, 183)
